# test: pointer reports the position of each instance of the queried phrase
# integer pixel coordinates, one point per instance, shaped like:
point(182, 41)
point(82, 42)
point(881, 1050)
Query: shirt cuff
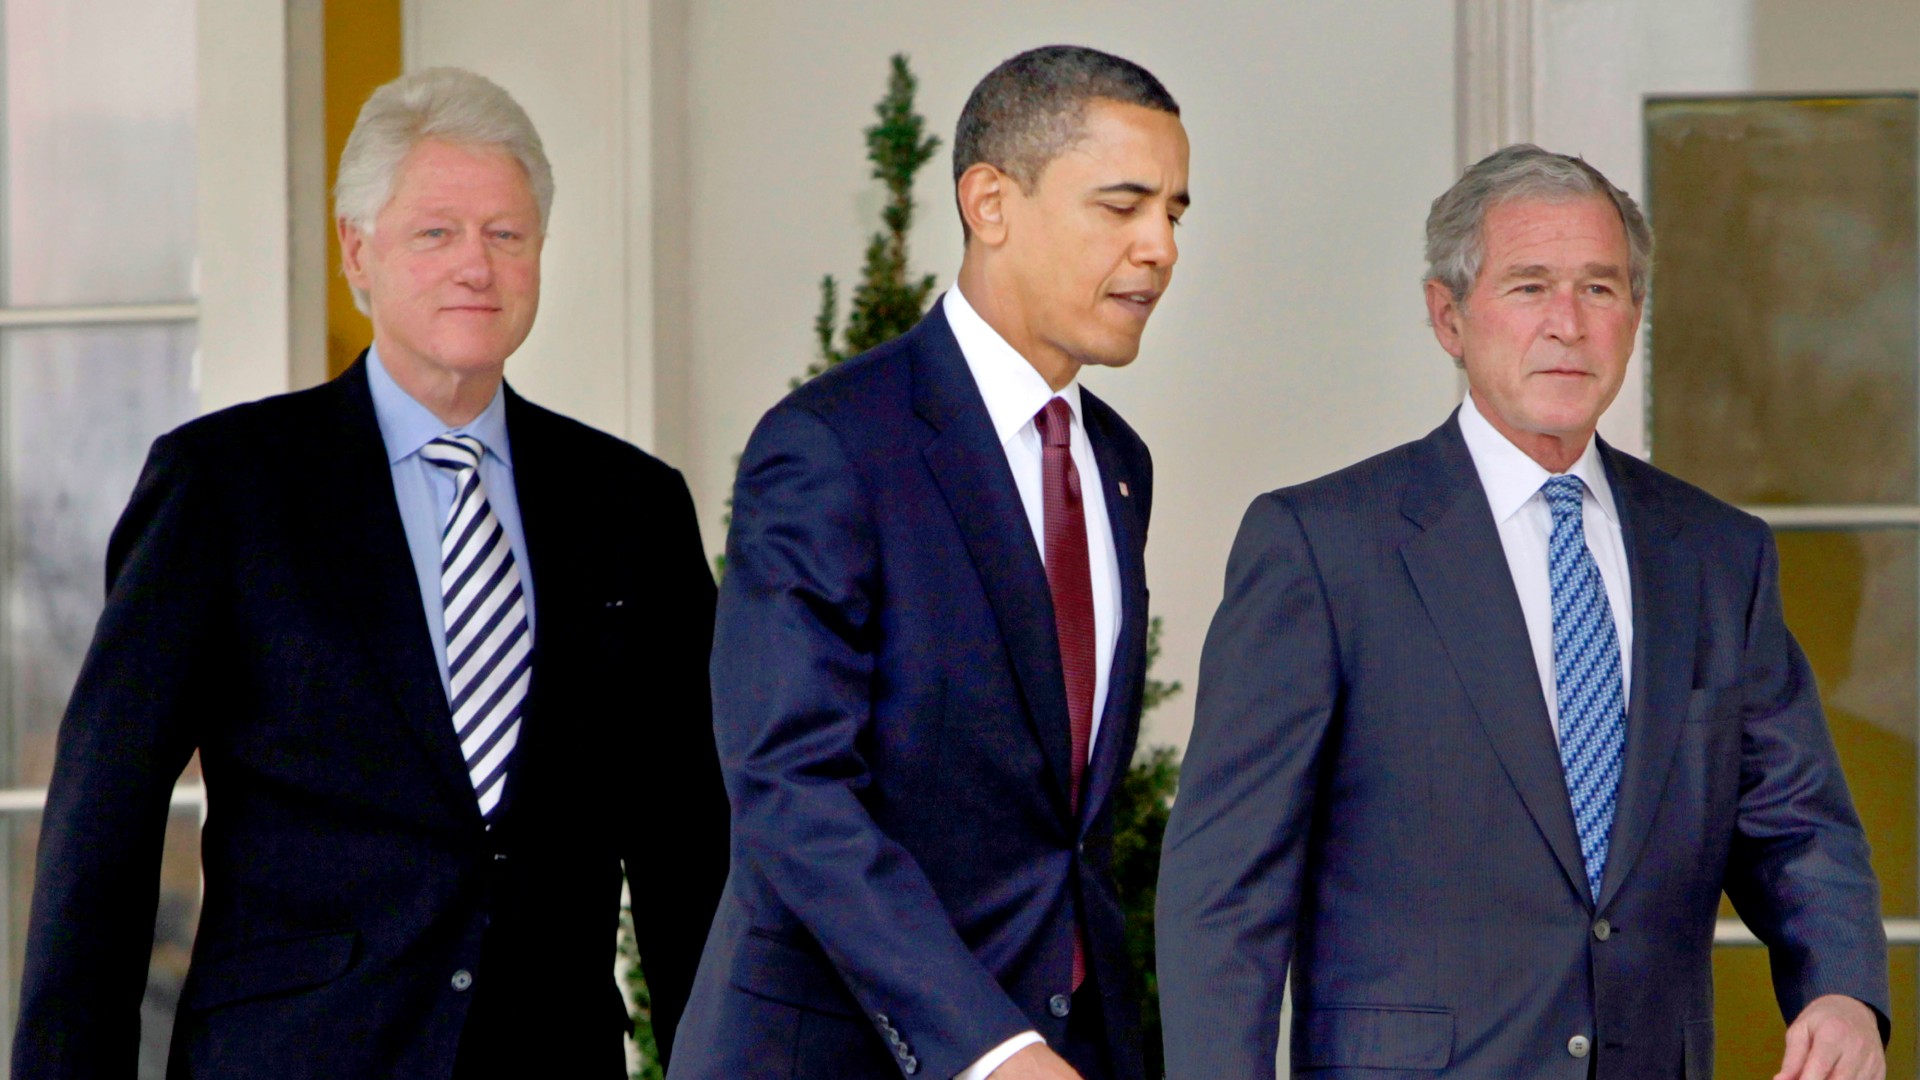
point(998, 1056)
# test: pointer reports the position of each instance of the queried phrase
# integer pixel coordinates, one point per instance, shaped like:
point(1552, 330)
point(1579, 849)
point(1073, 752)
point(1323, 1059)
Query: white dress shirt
point(1512, 482)
point(1014, 392)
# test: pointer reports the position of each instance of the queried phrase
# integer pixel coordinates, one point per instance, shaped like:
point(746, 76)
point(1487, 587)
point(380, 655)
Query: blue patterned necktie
point(489, 649)
point(1586, 673)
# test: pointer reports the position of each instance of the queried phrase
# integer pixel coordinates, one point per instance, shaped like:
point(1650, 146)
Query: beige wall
point(1293, 339)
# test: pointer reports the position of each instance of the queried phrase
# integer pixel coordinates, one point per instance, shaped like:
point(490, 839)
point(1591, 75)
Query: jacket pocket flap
point(1373, 1037)
point(273, 967)
point(791, 974)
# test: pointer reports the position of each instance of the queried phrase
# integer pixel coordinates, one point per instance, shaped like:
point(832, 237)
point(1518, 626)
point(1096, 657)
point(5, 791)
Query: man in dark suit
point(442, 654)
point(1487, 723)
point(931, 641)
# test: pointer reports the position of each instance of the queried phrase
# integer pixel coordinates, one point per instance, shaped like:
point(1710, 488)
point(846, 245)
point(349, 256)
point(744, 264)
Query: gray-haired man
point(1488, 722)
point(439, 650)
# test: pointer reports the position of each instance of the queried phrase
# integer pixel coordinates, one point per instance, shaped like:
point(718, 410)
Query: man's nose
point(1155, 245)
point(1566, 322)
point(473, 265)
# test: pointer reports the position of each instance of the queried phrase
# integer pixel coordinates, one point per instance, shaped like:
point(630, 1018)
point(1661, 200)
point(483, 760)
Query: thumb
point(1799, 1042)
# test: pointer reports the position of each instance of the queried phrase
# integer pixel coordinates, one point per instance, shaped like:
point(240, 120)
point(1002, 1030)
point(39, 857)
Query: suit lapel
point(1460, 571)
point(1122, 713)
point(557, 567)
point(1666, 601)
point(970, 467)
point(359, 529)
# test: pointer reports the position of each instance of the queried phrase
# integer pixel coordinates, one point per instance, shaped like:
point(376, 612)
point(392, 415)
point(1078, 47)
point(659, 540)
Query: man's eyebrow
point(1540, 270)
point(1132, 187)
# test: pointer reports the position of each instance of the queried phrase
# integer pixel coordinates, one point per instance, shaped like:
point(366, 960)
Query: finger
point(1822, 1057)
point(1799, 1041)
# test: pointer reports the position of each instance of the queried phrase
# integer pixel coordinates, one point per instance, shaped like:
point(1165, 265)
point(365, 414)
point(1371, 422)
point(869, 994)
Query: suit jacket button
point(911, 1065)
point(1603, 930)
point(1578, 1046)
point(462, 979)
point(1059, 1004)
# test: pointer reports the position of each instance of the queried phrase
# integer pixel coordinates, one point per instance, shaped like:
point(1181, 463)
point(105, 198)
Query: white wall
point(1292, 341)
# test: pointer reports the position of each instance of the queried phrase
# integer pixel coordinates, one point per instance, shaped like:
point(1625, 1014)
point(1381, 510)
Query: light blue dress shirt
point(425, 490)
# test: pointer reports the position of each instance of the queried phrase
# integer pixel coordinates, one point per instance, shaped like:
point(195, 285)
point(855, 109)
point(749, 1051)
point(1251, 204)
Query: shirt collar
point(406, 425)
point(1510, 477)
point(1011, 387)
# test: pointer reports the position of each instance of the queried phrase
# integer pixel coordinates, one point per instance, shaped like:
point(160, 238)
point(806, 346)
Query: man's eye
point(433, 234)
point(1123, 211)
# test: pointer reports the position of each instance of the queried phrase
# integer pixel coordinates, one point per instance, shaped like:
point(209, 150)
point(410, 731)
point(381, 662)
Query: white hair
point(442, 103)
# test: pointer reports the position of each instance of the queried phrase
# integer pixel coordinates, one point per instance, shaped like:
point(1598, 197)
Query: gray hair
point(1032, 107)
point(1456, 226)
point(442, 103)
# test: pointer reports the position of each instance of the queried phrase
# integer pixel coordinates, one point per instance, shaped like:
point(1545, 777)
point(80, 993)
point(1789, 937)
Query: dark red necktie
point(1071, 582)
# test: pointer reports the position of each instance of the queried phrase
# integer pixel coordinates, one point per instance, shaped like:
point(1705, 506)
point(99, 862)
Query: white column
point(1574, 77)
point(583, 72)
point(263, 264)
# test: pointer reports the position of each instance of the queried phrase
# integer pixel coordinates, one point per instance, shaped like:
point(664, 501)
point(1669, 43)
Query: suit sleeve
point(128, 732)
point(1798, 872)
point(793, 676)
point(687, 829)
point(1231, 869)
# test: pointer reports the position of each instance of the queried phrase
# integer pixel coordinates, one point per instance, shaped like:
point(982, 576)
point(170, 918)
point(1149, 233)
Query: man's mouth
point(1141, 300)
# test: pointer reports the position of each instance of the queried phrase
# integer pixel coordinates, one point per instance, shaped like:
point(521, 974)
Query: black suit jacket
point(1373, 797)
point(263, 608)
point(893, 726)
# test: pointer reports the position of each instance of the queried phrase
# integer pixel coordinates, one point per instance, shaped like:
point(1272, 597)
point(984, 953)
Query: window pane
point(1783, 327)
point(99, 172)
point(1851, 602)
point(174, 923)
point(78, 410)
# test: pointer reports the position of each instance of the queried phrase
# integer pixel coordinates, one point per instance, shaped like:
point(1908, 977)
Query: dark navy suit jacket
point(1373, 796)
point(263, 608)
point(893, 729)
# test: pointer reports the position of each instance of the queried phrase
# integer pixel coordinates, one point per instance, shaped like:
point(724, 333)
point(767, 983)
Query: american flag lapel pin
point(1124, 493)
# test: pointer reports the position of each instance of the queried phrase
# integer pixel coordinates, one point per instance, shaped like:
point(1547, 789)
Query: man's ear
point(352, 251)
point(1444, 311)
point(982, 193)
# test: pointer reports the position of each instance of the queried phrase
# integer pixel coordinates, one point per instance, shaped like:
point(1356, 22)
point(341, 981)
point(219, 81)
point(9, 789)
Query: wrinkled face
point(1091, 249)
point(1546, 332)
point(452, 265)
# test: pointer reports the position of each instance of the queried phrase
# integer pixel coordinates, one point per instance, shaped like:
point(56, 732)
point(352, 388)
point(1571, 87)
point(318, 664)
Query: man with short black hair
point(1487, 724)
point(442, 653)
point(932, 634)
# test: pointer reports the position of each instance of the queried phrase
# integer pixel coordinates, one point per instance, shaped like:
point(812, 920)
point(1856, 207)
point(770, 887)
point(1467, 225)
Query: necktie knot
point(1563, 494)
point(1055, 424)
point(455, 452)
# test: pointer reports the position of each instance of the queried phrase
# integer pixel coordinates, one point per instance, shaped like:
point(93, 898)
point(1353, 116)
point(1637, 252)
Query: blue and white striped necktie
point(1587, 679)
point(489, 646)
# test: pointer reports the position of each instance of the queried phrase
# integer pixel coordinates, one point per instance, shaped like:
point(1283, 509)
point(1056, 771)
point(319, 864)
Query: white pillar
point(262, 183)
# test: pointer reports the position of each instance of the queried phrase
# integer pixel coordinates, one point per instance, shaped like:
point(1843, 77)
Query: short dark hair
point(1034, 106)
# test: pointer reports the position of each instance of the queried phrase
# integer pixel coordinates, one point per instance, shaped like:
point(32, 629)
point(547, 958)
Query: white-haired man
point(435, 646)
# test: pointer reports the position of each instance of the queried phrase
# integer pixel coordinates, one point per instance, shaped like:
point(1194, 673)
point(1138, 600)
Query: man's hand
point(1037, 1062)
point(1834, 1038)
